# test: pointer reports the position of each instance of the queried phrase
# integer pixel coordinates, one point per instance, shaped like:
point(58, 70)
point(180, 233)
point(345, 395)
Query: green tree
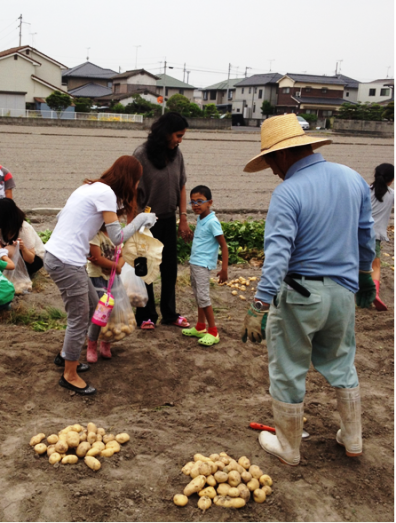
point(359, 111)
point(83, 105)
point(118, 108)
point(309, 117)
point(178, 103)
point(389, 112)
point(267, 108)
point(211, 111)
point(194, 110)
point(142, 106)
point(58, 101)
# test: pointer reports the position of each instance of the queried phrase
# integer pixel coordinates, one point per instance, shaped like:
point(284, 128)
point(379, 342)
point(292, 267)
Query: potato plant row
point(75, 441)
point(222, 480)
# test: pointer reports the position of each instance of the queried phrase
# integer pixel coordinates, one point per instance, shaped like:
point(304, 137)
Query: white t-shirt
point(30, 239)
point(79, 221)
point(381, 213)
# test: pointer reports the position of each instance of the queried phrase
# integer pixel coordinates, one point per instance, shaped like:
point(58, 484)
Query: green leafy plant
point(45, 235)
point(39, 320)
point(58, 101)
point(211, 111)
point(266, 108)
point(309, 117)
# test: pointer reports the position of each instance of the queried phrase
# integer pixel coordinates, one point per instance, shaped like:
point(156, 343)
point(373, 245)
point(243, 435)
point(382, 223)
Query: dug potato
point(35, 440)
point(107, 437)
point(259, 495)
point(233, 492)
point(200, 457)
point(82, 449)
point(266, 480)
point(99, 444)
point(187, 467)
point(71, 459)
point(122, 438)
point(246, 476)
point(180, 500)
point(73, 439)
point(221, 477)
point(40, 448)
point(94, 451)
point(228, 502)
point(91, 427)
point(83, 436)
point(204, 503)
point(78, 428)
point(208, 491)
point(91, 438)
point(267, 489)
point(201, 468)
point(234, 478)
point(113, 444)
point(101, 431)
point(99, 437)
point(211, 481)
point(220, 465)
point(244, 492)
point(61, 447)
point(52, 439)
point(106, 453)
point(214, 457)
point(244, 462)
point(223, 488)
point(195, 485)
point(54, 458)
point(92, 462)
point(255, 471)
point(253, 484)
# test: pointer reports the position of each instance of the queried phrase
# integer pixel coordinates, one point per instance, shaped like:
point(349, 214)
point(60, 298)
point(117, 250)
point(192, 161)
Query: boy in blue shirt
point(204, 253)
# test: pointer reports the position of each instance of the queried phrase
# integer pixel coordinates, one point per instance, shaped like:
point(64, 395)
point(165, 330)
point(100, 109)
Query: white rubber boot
point(350, 433)
point(288, 420)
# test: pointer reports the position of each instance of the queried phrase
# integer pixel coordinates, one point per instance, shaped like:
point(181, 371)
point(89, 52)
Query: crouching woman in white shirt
point(85, 211)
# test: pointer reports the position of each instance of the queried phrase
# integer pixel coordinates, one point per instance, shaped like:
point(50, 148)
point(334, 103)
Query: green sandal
point(208, 340)
point(194, 332)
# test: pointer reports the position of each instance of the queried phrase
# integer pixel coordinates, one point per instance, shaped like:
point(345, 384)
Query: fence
point(99, 117)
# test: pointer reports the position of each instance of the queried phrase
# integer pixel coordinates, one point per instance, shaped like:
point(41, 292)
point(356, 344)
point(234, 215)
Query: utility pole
point(184, 72)
point(20, 28)
point(228, 86)
point(163, 90)
point(188, 75)
point(246, 68)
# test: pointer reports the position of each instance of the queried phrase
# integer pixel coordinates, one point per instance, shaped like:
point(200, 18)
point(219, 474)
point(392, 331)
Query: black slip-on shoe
point(60, 362)
point(85, 391)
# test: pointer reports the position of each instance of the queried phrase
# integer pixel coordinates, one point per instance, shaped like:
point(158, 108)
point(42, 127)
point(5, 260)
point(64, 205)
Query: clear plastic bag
point(135, 287)
point(122, 320)
point(19, 277)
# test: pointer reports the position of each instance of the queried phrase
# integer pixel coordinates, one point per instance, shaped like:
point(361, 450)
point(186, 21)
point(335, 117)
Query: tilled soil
point(176, 398)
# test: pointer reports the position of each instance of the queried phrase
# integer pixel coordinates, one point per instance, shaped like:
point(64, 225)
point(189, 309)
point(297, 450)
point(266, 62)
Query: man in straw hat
point(319, 246)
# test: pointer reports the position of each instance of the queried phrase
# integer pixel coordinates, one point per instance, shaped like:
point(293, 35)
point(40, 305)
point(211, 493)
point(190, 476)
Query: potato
point(35, 440)
point(52, 439)
point(200, 457)
point(243, 288)
point(211, 481)
point(224, 458)
point(180, 500)
point(126, 329)
point(61, 447)
point(113, 445)
point(246, 476)
point(50, 450)
point(234, 478)
point(71, 459)
point(255, 471)
point(259, 495)
point(221, 477)
point(244, 462)
point(228, 502)
point(214, 457)
point(91, 438)
point(120, 336)
point(219, 464)
point(82, 449)
point(99, 437)
point(244, 492)
point(78, 428)
point(204, 503)
point(66, 430)
point(223, 488)
point(63, 436)
point(253, 484)
point(73, 440)
point(101, 431)
point(93, 451)
point(108, 334)
point(106, 453)
point(208, 491)
point(195, 485)
point(201, 468)
point(40, 448)
point(83, 436)
point(122, 438)
point(267, 489)
point(107, 437)
point(242, 297)
point(187, 467)
point(99, 444)
point(266, 480)
point(91, 427)
point(233, 492)
point(234, 293)
point(92, 463)
point(54, 458)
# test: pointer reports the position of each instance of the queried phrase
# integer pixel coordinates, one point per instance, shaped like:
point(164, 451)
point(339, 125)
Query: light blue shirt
point(205, 247)
point(318, 224)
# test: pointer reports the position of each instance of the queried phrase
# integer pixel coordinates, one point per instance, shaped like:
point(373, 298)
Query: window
point(286, 90)
point(243, 90)
point(250, 90)
point(347, 94)
point(15, 57)
point(254, 108)
point(324, 90)
point(255, 90)
point(309, 111)
point(307, 89)
point(327, 113)
point(372, 92)
point(109, 84)
point(205, 95)
point(181, 91)
point(230, 95)
point(238, 110)
point(213, 95)
point(116, 88)
point(260, 95)
point(384, 92)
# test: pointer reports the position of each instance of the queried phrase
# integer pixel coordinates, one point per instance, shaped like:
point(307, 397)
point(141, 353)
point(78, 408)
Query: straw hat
point(281, 132)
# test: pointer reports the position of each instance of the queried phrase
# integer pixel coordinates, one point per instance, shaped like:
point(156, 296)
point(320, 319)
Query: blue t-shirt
point(205, 247)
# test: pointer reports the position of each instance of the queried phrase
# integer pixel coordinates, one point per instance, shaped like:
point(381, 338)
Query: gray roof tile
point(260, 79)
point(88, 70)
point(223, 85)
point(172, 82)
point(90, 90)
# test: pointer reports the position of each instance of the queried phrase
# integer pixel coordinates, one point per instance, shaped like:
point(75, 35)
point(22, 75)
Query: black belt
point(289, 279)
point(301, 276)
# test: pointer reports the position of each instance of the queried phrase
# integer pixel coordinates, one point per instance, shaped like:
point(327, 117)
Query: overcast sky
point(295, 36)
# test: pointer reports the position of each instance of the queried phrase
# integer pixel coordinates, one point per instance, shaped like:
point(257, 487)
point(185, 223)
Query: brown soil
point(176, 398)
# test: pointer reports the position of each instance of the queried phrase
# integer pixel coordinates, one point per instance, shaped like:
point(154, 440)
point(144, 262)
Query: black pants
point(165, 231)
point(35, 266)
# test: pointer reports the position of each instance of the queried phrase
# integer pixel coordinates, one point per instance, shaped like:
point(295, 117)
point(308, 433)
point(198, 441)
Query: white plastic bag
point(145, 245)
point(135, 287)
point(122, 320)
point(19, 277)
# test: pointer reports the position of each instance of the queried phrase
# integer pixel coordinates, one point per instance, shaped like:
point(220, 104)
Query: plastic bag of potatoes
point(122, 320)
point(223, 481)
point(135, 287)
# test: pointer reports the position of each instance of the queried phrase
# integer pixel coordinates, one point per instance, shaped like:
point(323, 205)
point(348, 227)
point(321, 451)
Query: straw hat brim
point(258, 163)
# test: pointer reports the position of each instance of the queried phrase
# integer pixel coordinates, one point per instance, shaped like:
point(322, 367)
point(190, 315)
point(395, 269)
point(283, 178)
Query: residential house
point(311, 94)
point(351, 88)
point(88, 80)
point(27, 77)
point(376, 91)
point(138, 81)
point(251, 92)
point(174, 86)
point(217, 94)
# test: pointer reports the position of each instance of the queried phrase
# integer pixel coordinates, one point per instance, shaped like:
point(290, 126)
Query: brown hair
point(122, 177)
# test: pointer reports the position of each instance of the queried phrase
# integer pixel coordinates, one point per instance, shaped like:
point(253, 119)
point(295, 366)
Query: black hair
point(202, 189)
point(11, 220)
point(157, 148)
point(383, 174)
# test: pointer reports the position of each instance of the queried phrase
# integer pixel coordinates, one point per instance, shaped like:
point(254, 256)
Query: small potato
point(221, 477)
point(242, 297)
point(40, 448)
point(208, 491)
point(108, 334)
point(71, 459)
point(107, 437)
point(92, 463)
point(101, 431)
point(52, 439)
point(54, 458)
point(120, 336)
point(77, 427)
point(211, 481)
point(244, 492)
point(63, 436)
point(219, 464)
point(180, 500)
point(228, 502)
point(73, 440)
point(187, 467)
point(99, 444)
point(83, 436)
point(99, 437)
point(204, 503)
point(234, 478)
point(267, 489)
point(214, 457)
point(253, 484)
point(66, 430)
point(246, 476)
point(122, 438)
point(223, 488)
point(255, 471)
point(201, 468)
point(234, 293)
point(265, 480)
point(35, 440)
point(126, 329)
point(117, 331)
point(113, 445)
point(224, 460)
point(94, 451)
point(82, 449)
point(50, 450)
point(233, 492)
point(259, 495)
point(244, 462)
point(106, 453)
point(91, 438)
point(91, 427)
point(195, 485)
point(61, 447)
point(243, 288)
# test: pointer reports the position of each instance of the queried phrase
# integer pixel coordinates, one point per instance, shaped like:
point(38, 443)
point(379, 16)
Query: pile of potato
point(224, 481)
point(117, 331)
point(22, 287)
point(75, 441)
point(242, 284)
point(136, 299)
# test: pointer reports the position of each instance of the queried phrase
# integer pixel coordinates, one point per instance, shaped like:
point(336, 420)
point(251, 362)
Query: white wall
point(364, 90)
point(140, 79)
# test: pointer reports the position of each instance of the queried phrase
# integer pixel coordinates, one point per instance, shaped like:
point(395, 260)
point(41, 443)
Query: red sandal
point(147, 325)
point(181, 322)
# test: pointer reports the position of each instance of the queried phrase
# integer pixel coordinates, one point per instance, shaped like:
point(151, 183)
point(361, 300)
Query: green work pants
point(320, 329)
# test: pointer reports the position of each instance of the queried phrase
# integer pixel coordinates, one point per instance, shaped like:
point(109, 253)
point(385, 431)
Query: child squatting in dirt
point(208, 236)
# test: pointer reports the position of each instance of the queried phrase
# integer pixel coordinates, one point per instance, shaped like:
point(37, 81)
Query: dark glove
point(254, 325)
point(367, 291)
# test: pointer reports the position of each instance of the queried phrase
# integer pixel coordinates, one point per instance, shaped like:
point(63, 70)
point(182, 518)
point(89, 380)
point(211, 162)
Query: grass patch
point(38, 320)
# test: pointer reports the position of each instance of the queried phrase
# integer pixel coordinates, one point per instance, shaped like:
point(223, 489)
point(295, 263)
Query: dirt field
point(174, 397)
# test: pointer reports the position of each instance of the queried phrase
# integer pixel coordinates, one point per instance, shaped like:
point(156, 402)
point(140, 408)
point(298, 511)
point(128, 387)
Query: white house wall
point(364, 89)
point(141, 79)
point(13, 103)
point(47, 71)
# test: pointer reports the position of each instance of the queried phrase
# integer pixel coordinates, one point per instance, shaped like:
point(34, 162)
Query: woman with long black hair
point(382, 199)
point(163, 188)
